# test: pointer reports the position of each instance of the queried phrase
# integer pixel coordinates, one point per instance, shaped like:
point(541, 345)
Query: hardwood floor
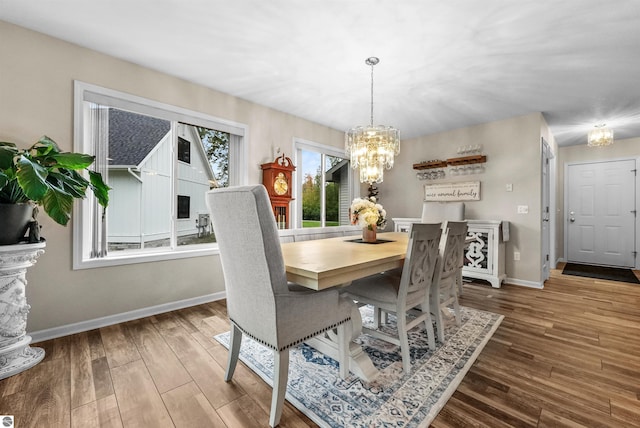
point(565, 356)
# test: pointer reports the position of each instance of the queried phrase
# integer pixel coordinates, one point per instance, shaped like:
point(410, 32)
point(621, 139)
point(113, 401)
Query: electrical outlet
point(509, 187)
point(516, 255)
point(523, 209)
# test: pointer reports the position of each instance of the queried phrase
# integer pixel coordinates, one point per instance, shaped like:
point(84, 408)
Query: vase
point(369, 235)
point(14, 222)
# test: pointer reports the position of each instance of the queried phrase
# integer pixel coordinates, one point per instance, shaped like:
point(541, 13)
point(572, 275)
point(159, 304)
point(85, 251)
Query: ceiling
point(443, 64)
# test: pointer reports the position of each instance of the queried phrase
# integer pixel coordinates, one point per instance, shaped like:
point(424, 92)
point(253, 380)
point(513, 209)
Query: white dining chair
point(438, 212)
point(441, 212)
point(400, 290)
point(444, 291)
point(260, 301)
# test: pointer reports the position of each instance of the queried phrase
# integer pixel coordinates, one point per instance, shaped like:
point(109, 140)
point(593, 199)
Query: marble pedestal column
point(15, 353)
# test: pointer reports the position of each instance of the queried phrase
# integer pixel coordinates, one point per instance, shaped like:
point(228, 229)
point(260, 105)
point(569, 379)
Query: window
point(184, 150)
point(326, 185)
point(183, 206)
point(159, 161)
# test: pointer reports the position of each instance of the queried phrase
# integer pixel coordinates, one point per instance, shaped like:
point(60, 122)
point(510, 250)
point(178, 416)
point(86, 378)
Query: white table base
point(359, 362)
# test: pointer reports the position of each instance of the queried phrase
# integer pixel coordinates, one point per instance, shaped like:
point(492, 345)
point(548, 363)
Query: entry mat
point(601, 272)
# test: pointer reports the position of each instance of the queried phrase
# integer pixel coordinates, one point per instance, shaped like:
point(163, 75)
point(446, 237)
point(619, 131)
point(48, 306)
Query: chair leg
point(456, 307)
point(234, 351)
point(434, 302)
point(404, 341)
point(344, 334)
point(280, 376)
point(379, 317)
point(428, 324)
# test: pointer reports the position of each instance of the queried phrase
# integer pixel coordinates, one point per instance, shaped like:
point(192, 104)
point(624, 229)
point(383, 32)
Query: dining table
point(335, 262)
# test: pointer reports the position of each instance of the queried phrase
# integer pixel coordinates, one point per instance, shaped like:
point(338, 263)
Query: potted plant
point(45, 176)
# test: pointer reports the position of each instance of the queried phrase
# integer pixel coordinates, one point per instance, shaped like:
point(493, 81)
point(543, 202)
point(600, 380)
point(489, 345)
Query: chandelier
point(372, 147)
point(600, 136)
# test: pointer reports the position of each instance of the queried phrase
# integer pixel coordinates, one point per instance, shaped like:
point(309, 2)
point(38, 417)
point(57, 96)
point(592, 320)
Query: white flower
point(365, 212)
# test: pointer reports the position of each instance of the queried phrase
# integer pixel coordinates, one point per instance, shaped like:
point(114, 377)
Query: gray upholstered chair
point(444, 291)
point(260, 302)
point(400, 290)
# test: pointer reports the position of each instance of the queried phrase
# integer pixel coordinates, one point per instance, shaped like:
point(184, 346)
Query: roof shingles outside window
point(132, 136)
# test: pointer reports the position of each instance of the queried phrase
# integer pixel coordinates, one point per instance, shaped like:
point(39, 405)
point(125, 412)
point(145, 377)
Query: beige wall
point(620, 149)
point(36, 93)
point(512, 148)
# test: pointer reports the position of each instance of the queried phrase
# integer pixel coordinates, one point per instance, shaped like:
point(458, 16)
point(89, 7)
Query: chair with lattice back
point(444, 291)
point(400, 290)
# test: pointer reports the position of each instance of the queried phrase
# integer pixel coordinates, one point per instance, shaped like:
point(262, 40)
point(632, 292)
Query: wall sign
point(465, 191)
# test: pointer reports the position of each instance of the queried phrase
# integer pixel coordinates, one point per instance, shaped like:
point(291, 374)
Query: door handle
point(572, 219)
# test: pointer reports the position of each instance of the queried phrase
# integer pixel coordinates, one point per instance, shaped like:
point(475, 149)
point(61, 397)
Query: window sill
point(188, 251)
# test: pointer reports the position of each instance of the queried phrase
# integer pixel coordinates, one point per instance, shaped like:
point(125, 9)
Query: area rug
point(393, 399)
point(600, 272)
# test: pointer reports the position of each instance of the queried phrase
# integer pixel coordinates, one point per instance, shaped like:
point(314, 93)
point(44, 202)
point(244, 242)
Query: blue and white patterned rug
point(393, 399)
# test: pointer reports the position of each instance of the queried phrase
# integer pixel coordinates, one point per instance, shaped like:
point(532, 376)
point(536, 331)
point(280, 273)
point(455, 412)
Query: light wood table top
point(324, 263)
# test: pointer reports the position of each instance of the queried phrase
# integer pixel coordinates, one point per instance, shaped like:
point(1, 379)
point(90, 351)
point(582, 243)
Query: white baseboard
point(65, 330)
point(523, 283)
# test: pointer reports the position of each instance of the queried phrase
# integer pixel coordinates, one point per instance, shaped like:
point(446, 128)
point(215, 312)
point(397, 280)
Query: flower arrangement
point(365, 212)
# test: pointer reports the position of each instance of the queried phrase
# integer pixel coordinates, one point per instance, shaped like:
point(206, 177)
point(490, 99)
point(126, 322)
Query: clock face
point(280, 185)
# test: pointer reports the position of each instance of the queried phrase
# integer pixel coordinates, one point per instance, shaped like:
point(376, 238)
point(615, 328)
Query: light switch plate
point(523, 209)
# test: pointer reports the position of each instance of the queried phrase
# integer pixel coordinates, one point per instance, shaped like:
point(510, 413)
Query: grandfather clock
point(276, 177)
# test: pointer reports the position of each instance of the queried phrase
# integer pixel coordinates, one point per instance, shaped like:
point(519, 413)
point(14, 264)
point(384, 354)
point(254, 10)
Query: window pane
point(140, 175)
point(209, 168)
point(325, 193)
point(184, 206)
point(311, 180)
point(216, 147)
point(184, 150)
point(336, 191)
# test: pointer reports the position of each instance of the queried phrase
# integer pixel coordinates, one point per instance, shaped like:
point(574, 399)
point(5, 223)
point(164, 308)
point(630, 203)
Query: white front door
point(600, 213)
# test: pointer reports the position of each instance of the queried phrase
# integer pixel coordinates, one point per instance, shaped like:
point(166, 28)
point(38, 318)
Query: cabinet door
point(281, 213)
point(403, 227)
point(478, 255)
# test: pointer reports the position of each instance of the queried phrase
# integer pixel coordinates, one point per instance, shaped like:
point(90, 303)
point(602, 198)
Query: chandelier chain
point(372, 64)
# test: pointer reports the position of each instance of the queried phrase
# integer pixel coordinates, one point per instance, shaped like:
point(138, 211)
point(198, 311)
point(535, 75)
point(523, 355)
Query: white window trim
point(300, 144)
point(237, 176)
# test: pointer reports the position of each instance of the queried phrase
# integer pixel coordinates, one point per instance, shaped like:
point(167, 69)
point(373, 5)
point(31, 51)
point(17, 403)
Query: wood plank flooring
point(565, 356)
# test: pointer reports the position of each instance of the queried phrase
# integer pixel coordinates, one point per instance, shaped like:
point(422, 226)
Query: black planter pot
point(14, 222)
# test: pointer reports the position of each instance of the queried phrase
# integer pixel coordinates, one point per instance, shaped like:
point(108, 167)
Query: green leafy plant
point(46, 176)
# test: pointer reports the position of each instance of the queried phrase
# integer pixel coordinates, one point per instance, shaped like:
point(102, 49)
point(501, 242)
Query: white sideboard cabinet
point(484, 254)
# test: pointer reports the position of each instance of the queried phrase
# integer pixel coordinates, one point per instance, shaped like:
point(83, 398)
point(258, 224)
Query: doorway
point(600, 212)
